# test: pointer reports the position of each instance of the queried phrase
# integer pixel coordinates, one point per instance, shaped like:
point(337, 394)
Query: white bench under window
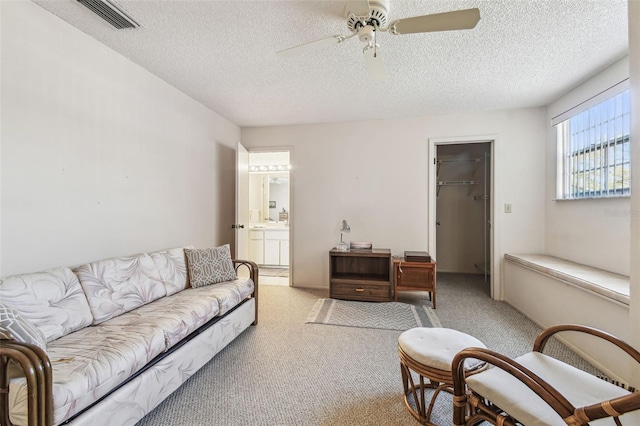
point(604, 283)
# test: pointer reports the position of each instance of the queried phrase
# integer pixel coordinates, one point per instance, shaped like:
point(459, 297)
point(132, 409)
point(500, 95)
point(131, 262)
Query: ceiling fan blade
point(375, 64)
point(446, 21)
point(311, 46)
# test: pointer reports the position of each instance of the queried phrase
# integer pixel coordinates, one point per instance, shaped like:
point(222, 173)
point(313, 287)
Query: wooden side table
point(360, 275)
point(419, 276)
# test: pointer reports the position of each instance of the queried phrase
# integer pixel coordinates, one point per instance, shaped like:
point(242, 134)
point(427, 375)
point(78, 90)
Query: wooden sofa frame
point(37, 367)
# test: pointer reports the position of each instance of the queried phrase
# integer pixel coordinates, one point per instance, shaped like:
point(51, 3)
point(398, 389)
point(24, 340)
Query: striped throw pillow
point(210, 266)
point(15, 327)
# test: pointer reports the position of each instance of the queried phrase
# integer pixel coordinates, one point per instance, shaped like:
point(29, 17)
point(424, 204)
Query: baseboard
point(474, 272)
point(310, 287)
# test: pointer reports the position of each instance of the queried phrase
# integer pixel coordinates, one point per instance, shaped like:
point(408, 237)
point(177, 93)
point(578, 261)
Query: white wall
point(101, 158)
point(634, 77)
point(584, 231)
point(375, 175)
point(581, 231)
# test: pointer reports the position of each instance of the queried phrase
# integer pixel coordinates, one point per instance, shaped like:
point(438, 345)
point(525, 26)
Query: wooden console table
point(360, 275)
point(419, 276)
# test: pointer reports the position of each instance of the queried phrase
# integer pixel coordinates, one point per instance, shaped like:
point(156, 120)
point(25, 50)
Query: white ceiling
point(522, 53)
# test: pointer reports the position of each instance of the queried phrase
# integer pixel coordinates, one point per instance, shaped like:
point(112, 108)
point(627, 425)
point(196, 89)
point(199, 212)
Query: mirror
point(278, 197)
point(269, 197)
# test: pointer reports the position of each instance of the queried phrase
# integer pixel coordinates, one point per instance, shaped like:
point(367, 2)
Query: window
point(593, 150)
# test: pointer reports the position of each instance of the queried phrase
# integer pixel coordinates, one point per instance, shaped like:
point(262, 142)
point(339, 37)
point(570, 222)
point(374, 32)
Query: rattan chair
point(536, 389)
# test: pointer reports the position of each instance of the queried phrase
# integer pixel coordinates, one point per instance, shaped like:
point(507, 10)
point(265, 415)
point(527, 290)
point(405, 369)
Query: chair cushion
point(51, 300)
point(579, 387)
point(436, 347)
point(118, 285)
point(210, 266)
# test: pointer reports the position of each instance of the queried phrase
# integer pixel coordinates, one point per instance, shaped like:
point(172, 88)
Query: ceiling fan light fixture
point(366, 34)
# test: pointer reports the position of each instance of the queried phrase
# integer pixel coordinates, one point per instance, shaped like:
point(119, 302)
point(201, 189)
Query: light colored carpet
point(385, 315)
point(286, 372)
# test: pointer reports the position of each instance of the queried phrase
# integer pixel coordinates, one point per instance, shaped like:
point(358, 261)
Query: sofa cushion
point(171, 269)
point(228, 294)
point(118, 285)
point(210, 266)
point(131, 402)
point(15, 327)
point(52, 300)
point(88, 364)
point(177, 315)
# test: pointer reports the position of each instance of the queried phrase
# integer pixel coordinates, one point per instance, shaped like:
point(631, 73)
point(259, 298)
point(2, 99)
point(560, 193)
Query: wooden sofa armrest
point(36, 367)
point(544, 336)
point(253, 274)
point(251, 266)
point(543, 389)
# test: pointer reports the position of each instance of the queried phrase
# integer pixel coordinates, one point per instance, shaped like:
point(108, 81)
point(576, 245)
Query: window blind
point(614, 90)
point(595, 150)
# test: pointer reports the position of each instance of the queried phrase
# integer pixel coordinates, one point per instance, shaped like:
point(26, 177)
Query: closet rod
point(457, 182)
point(467, 160)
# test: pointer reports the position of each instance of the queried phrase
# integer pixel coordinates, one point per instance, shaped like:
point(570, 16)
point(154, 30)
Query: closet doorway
point(463, 207)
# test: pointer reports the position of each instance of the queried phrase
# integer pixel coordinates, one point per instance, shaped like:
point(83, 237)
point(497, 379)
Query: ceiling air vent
point(111, 12)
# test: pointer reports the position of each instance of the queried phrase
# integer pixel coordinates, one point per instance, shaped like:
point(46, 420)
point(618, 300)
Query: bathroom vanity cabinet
point(269, 246)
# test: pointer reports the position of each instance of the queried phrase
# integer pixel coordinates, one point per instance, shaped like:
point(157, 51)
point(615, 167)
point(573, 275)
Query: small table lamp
point(344, 229)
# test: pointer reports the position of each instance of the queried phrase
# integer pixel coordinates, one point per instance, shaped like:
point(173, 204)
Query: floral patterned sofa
point(107, 341)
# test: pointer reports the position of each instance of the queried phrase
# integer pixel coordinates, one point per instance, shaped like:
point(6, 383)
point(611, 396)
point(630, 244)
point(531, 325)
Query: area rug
point(384, 315)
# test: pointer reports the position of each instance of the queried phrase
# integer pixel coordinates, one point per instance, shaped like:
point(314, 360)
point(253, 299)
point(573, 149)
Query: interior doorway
point(462, 208)
point(493, 225)
point(270, 215)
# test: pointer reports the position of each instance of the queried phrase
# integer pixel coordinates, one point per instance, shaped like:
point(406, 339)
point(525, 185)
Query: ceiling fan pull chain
point(375, 43)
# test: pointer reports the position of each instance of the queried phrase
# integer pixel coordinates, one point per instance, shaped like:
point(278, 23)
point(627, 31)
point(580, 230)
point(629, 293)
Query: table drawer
point(360, 291)
point(276, 235)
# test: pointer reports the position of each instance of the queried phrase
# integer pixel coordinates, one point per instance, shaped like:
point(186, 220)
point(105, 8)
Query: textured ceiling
point(522, 53)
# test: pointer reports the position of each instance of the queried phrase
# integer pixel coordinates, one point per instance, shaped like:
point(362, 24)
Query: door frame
point(241, 222)
point(288, 149)
point(494, 219)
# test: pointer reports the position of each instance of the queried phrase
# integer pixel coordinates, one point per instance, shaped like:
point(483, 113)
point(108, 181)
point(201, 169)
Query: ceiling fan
point(365, 18)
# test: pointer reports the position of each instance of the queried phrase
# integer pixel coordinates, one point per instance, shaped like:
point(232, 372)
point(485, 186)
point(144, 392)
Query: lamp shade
point(344, 229)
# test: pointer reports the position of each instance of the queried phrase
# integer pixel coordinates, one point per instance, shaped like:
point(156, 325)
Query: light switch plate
point(507, 208)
